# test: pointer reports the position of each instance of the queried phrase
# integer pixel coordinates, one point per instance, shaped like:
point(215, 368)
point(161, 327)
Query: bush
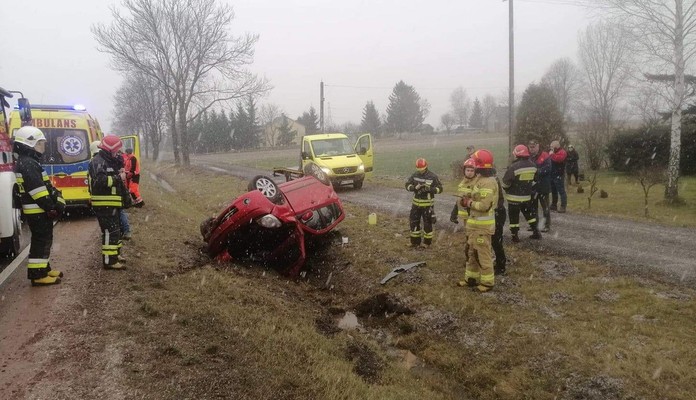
point(639, 148)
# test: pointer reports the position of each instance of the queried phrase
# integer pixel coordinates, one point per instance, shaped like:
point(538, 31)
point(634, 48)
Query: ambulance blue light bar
point(76, 107)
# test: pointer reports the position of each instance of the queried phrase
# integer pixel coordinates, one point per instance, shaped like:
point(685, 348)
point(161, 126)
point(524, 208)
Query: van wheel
point(315, 171)
point(267, 187)
point(358, 184)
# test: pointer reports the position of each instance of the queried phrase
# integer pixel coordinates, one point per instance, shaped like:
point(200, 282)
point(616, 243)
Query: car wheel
point(267, 187)
point(358, 184)
point(315, 171)
point(9, 246)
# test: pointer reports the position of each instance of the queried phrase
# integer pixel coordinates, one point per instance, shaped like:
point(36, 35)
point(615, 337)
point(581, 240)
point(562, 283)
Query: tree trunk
point(186, 160)
point(672, 188)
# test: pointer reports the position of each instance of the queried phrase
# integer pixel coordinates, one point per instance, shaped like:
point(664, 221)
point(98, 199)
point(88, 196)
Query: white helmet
point(29, 136)
point(94, 147)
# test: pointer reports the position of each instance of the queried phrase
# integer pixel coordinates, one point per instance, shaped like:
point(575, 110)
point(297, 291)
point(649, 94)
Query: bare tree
point(647, 105)
point(460, 105)
point(605, 56)
point(269, 113)
point(185, 46)
point(563, 78)
point(139, 108)
point(649, 176)
point(447, 121)
point(665, 33)
point(489, 107)
point(425, 107)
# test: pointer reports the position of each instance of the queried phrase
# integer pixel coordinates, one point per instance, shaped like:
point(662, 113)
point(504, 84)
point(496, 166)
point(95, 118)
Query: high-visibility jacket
point(464, 189)
point(482, 210)
point(36, 192)
point(518, 180)
point(105, 185)
point(430, 186)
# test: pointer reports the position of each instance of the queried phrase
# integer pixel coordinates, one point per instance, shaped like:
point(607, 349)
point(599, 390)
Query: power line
point(419, 88)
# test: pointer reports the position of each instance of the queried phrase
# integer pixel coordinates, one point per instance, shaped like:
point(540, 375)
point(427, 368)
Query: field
point(553, 328)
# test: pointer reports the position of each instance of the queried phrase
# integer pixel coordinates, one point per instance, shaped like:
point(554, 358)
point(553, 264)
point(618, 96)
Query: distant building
point(271, 131)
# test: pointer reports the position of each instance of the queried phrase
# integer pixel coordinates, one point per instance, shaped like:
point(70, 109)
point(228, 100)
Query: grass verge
point(552, 328)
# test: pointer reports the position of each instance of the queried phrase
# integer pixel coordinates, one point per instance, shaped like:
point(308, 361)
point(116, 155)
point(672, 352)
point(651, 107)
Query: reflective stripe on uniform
point(44, 176)
point(488, 279)
point(470, 274)
point(517, 199)
point(109, 181)
point(428, 235)
point(38, 193)
point(106, 201)
point(37, 263)
point(423, 203)
point(110, 249)
point(514, 225)
point(32, 209)
point(416, 234)
point(531, 221)
point(488, 220)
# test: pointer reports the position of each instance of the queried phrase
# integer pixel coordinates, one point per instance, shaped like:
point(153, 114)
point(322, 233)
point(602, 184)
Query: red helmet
point(469, 163)
point(520, 151)
point(111, 143)
point(421, 164)
point(483, 158)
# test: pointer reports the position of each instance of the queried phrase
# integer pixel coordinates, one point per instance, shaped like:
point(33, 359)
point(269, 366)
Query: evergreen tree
point(370, 120)
point(253, 127)
point(240, 139)
point(285, 132)
point(404, 112)
point(310, 120)
point(539, 118)
point(476, 119)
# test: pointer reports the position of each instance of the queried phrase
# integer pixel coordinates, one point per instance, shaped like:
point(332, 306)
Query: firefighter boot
point(471, 282)
point(562, 210)
point(515, 238)
point(553, 207)
point(118, 266)
point(484, 288)
point(536, 234)
point(55, 274)
point(45, 281)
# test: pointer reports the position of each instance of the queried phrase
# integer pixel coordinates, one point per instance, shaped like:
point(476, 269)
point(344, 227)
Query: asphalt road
point(635, 246)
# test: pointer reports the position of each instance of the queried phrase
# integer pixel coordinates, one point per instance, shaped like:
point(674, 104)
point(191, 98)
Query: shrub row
point(636, 148)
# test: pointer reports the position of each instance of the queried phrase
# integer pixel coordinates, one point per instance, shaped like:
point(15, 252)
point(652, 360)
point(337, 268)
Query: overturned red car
point(270, 223)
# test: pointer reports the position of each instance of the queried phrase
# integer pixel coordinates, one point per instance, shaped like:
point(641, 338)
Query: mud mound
point(555, 270)
point(440, 322)
point(382, 305)
point(368, 365)
point(599, 387)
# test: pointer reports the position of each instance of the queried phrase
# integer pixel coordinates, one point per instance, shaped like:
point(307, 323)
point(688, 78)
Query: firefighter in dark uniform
point(517, 182)
point(425, 185)
point(41, 203)
point(497, 238)
point(107, 189)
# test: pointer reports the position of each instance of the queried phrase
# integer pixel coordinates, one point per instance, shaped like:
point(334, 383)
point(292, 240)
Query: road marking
point(7, 272)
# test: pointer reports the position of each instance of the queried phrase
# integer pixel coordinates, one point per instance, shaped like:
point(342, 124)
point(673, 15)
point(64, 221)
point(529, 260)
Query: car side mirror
point(305, 155)
point(24, 109)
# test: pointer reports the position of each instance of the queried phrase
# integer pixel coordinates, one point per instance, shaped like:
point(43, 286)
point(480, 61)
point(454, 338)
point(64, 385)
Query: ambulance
point(69, 130)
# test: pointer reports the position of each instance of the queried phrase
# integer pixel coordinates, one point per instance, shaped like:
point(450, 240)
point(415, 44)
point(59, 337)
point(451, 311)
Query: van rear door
point(132, 142)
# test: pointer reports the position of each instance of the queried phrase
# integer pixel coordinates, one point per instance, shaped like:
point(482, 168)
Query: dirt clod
point(368, 365)
point(382, 305)
point(557, 270)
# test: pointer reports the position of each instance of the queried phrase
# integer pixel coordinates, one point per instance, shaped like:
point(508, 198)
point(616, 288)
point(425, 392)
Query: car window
point(332, 147)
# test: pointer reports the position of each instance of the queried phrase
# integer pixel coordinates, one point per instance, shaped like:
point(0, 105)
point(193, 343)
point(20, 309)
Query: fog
point(360, 49)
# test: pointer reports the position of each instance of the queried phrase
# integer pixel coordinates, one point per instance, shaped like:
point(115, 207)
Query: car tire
point(267, 187)
point(315, 171)
point(358, 184)
point(10, 246)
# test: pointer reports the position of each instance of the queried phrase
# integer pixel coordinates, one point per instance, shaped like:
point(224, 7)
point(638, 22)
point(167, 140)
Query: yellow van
point(69, 130)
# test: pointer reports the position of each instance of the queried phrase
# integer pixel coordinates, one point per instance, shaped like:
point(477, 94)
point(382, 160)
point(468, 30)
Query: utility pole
point(321, 106)
point(511, 100)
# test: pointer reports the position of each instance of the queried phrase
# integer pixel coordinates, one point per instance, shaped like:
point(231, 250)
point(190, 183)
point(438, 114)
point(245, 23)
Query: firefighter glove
point(53, 214)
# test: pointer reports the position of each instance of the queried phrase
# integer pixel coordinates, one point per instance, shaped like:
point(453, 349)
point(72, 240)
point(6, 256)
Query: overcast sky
point(359, 48)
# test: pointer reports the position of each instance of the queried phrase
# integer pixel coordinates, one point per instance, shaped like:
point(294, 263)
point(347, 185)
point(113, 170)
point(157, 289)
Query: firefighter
point(517, 182)
point(107, 188)
point(480, 225)
point(542, 183)
point(464, 190)
point(558, 160)
point(41, 203)
point(132, 167)
point(425, 185)
point(497, 238)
